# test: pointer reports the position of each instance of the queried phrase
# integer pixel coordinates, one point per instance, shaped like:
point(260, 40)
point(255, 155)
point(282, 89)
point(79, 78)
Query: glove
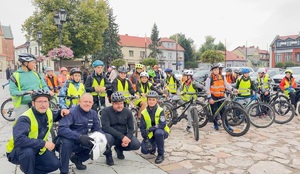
point(152, 129)
point(148, 144)
point(86, 141)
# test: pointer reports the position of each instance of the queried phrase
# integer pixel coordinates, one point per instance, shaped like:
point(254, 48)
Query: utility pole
point(176, 52)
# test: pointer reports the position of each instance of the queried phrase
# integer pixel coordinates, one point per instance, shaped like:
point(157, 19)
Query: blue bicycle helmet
point(245, 70)
point(168, 70)
point(97, 63)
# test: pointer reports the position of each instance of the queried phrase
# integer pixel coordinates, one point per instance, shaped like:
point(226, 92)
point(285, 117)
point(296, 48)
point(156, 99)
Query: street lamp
point(39, 35)
point(27, 44)
point(59, 20)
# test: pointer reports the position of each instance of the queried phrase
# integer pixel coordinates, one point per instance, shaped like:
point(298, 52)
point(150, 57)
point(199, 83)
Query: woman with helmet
point(216, 85)
point(25, 79)
point(152, 74)
point(135, 77)
point(288, 85)
point(153, 128)
point(263, 84)
point(189, 85)
point(230, 78)
point(29, 146)
point(97, 84)
point(72, 87)
point(172, 83)
point(51, 80)
point(63, 76)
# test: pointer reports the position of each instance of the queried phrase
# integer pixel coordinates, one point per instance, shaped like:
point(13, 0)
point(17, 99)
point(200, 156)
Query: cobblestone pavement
point(273, 150)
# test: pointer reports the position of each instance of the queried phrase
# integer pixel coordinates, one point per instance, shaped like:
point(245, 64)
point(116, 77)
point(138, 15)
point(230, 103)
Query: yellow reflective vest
point(34, 129)
point(148, 121)
point(188, 97)
point(172, 86)
point(244, 87)
point(265, 82)
point(95, 83)
point(72, 91)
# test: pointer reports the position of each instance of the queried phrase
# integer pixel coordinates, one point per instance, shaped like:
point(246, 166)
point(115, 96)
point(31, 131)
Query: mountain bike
point(135, 110)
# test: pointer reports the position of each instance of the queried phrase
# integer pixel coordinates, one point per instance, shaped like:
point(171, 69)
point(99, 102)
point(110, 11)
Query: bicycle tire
point(245, 118)
point(135, 123)
point(261, 120)
point(283, 104)
point(236, 120)
point(7, 113)
point(53, 106)
point(53, 134)
point(195, 122)
point(202, 113)
point(168, 111)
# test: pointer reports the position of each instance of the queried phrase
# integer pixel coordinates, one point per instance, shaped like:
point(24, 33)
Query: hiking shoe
point(109, 160)
point(74, 159)
point(120, 154)
point(159, 159)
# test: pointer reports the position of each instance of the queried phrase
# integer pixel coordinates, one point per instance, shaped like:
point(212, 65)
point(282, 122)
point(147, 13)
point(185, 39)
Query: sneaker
point(77, 163)
point(188, 129)
point(120, 154)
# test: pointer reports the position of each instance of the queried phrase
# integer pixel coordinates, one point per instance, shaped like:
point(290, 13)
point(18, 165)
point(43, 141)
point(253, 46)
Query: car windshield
point(201, 73)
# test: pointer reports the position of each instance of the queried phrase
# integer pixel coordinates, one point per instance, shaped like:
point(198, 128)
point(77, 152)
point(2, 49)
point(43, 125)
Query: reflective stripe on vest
point(172, 86)
point(72, 91)
point(148, 85)
point(148, 121)
point(265, 82)
point(18, 99)
point(95, 83)
point(217, 88)
point(188, 97)
point(34, 129)
point(244, 87)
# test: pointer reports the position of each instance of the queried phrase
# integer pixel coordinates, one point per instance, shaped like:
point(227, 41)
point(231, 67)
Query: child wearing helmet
point(288, 85)
point(63, 76)
point(172, 83)
point(135, 77)
point(97, 84)
point(230, 78)
point(216, 85)
point(51, 80)
point(153, 128)
point(263, 81)
point(73, 87)
point(189, 85)
point(152, 74)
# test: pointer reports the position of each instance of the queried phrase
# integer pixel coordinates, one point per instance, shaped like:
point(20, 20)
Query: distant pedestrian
point(8, 74)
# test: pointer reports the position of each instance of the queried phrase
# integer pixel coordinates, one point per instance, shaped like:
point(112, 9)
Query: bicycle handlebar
point(68, 97)
point(24, 93)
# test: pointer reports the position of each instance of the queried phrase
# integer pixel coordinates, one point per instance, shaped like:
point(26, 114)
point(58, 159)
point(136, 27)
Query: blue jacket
point(63, 92)
point(161, 124)
point(22, 128)
point(78, 122)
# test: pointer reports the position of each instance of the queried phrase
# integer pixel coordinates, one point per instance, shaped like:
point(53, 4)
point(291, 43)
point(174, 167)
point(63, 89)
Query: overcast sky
point(256, 22)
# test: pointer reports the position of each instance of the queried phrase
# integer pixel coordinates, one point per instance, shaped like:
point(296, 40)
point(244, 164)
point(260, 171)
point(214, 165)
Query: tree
point(150, 62)
point(82, 31)
point(212, 56)
point(186, 44)
point(155, 43)
point(118, 62)
point(191, 64)
point(111, 49)
point(209, 45)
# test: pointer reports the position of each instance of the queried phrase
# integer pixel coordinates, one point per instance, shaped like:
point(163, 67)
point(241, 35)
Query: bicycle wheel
point(284, 110)
point(261, 114)
point(135, 122)
point(53, 106)
point(236, 119)
point(195, 122)
point(7, 110)
point(202, 114)
point(168, 111)
point(240, 129)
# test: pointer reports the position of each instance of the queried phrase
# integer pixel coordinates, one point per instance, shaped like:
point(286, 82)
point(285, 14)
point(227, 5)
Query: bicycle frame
point(178, 119)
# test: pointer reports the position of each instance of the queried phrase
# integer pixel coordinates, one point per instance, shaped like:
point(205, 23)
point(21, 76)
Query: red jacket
point(285, 83)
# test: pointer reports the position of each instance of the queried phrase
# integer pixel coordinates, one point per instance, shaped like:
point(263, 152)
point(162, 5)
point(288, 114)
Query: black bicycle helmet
point(152, 94)
point(117, 97)
point(25, 57)
point(214, 66)
point(75, 70)
point(122, 69)
point(40, 93)
point(228, 70)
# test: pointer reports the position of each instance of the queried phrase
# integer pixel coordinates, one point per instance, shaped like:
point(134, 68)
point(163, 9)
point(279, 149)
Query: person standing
point(8, 73)
point(158, 74)
point(288, 85)
point(51, 80)
point(63, 76)
point(113, 74)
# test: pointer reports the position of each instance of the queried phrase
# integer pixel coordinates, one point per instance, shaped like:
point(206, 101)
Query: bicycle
point(129, 104)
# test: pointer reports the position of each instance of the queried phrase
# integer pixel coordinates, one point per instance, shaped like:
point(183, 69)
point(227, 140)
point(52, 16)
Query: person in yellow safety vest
point(123, 85)
point(25, 79)
point(143, 88)
point(288, 85)
point(97, 84)
point(189, 85)
point(172, 83)
point(263, 81)
point(29, 146)
point(73, 87)
point(154, 128)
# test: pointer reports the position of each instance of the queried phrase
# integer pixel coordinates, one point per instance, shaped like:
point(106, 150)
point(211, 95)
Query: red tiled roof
point(263, 51)
point(289, 36)
point(232, 57)
point(21, 46)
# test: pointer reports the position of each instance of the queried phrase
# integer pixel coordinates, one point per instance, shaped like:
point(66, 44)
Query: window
point(288, 43)
point(278, 58)
point(131, 53)
point(35, 50)
point(278, 44)
point(142, 54)
point(170, 55)
point(288, 57)
point(298, 57)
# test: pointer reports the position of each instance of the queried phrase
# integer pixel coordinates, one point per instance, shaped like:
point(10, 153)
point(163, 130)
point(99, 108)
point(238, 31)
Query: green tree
point(191, 64)
point(186, 43)
point(290, 64)
point(280, 65)
point(212, 56)
point(150, 62)
point(82, 31)
point(210, 45)
point(118, 62)
point(111, 49)
point(155, 43)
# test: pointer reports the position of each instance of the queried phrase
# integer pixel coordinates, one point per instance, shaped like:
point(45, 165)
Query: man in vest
point(263, 84)
point(158, 74)
point(189, 85)
point(117, 122)
point(73, 87)
point(172, 83)
point(29, 147)
point(215, 87)
point(97, 84)
point(73, 134)
point(51, 80)
point(63, 76)
point(153, 128)
point(25, 79)
point(230, 78)
point(288, 85)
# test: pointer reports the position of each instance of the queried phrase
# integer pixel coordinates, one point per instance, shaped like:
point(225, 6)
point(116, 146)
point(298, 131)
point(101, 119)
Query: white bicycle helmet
point(188, 72)
point(261, 70)
point(144, 74)
point(221, 65)
point(100, 143)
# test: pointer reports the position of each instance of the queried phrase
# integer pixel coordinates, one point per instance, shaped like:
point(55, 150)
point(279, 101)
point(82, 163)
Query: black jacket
point(114, 85)
point(89, 82)
point(118, 124)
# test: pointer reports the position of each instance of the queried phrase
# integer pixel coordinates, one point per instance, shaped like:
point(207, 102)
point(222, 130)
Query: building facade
point(7, 49)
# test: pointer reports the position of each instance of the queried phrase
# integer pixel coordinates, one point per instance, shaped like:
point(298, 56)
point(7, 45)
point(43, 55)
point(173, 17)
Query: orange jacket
point(50, 85)
point(285, 83)
point(230, 78)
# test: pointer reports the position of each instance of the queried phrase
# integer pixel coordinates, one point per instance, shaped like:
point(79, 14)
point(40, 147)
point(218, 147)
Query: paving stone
point(239, 161)
point(263, 167)
point(209, 168)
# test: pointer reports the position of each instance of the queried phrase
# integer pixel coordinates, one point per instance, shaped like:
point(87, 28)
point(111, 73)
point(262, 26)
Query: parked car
point(177, 74)
point(271, 73)
point(234, 68)
point(277, 78)
point(201, 75)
